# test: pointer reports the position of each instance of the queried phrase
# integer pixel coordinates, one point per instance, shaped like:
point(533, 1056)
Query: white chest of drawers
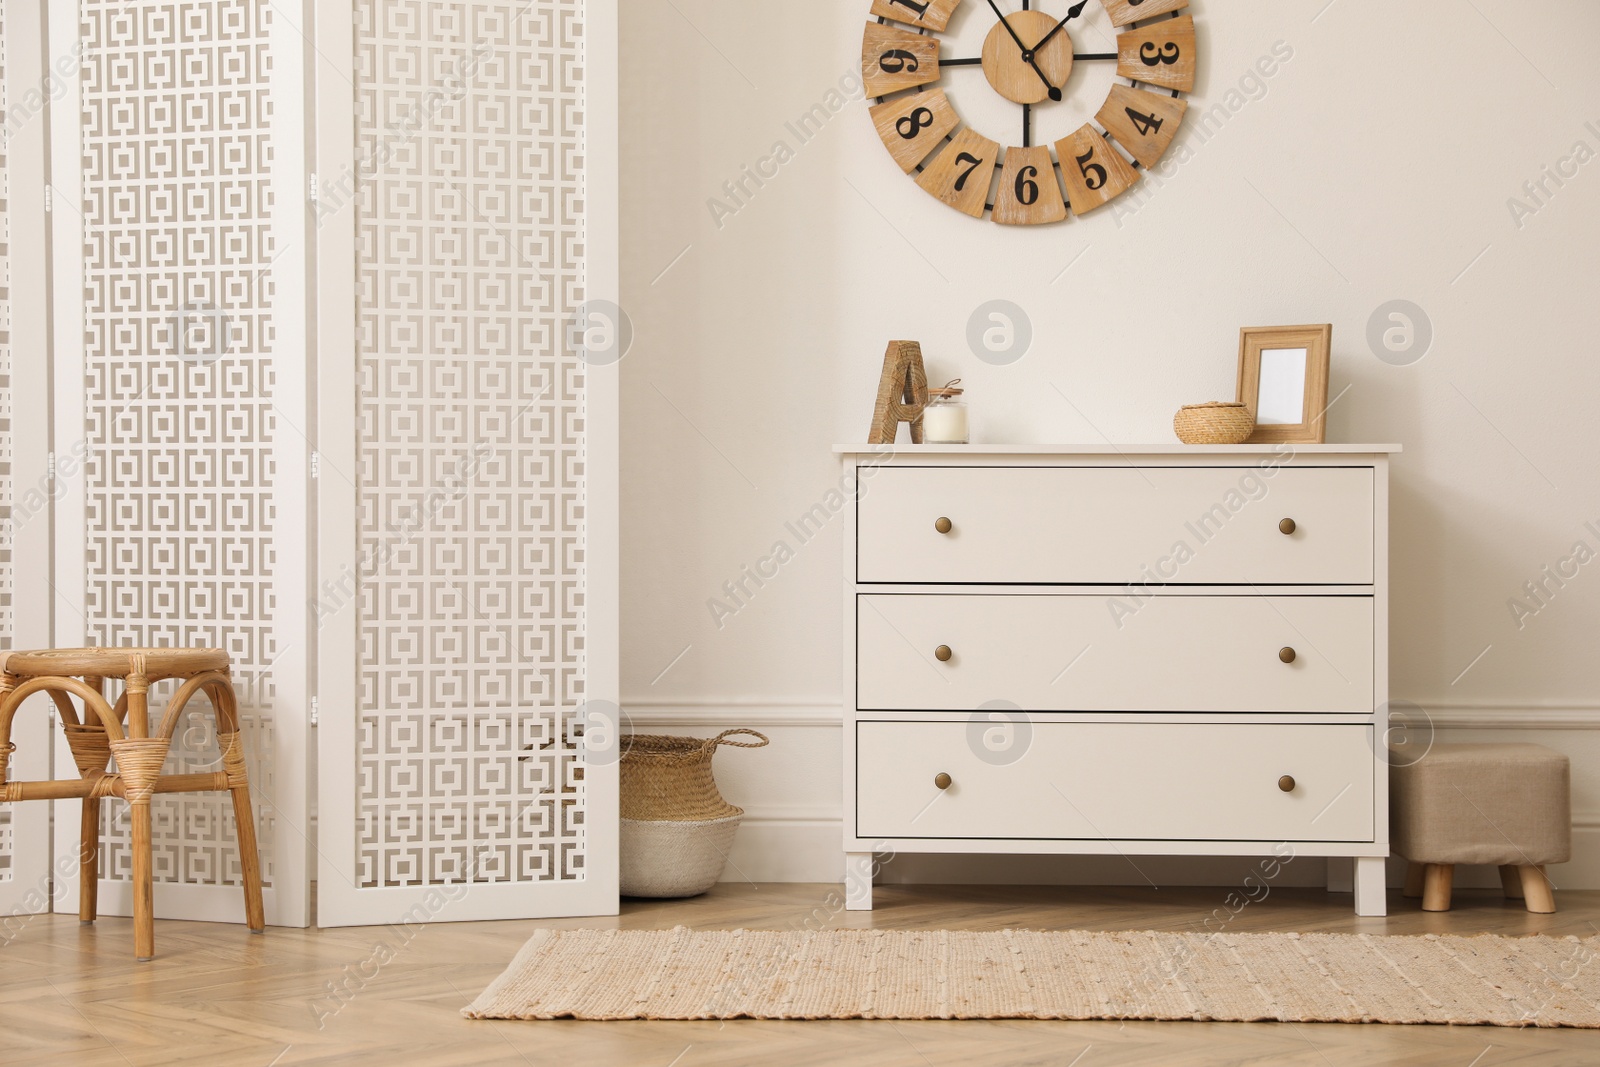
point(1125, 650)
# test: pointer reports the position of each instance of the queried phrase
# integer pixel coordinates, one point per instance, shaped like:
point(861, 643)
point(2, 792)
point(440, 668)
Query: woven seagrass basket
point(1216, 423)
point(676, 826)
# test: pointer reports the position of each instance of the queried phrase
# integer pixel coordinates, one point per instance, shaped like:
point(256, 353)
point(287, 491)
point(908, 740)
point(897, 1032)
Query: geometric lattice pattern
point(7, 619)
point(469, 248)
point(179, 416)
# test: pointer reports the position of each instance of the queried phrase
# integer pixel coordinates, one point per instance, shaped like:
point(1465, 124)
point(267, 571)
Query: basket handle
point(713, 742)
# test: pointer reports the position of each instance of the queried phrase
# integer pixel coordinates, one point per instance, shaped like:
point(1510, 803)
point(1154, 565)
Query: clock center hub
point(1015, 71)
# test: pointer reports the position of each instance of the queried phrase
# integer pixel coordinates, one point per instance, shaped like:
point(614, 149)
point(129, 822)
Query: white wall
point(1376, 163)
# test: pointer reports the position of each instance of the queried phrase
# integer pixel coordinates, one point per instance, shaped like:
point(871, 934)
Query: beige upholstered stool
point(123, 731)
point(1507, 804)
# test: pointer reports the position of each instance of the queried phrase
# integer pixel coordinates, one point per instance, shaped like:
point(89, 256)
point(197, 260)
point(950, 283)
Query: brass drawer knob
point(1286, 526)
point(942, 653)
point(1286, 783)
point(1286, 654)
point(942, 524)
point(942, 780)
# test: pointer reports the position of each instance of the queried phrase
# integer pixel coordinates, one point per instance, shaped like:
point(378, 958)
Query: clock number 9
point(1094, 175)
point(1027, 189)
point(897, 60)
point(1150, 57)
point(966, 157)
point(908, 126)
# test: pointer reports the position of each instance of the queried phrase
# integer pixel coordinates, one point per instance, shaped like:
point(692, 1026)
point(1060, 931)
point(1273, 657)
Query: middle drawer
point(1077, 652)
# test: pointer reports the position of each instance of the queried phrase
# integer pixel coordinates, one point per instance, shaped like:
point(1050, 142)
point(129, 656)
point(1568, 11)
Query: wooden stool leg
point(89, 860)
point(1414, 872)
point(1436, 886)
point(144, 910)
point(244, 818)
point(1536, 888)
point(1511, 881)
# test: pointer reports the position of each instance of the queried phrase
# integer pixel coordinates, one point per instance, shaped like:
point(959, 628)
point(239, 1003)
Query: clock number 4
point(973, 164)
point(1094, 175)
point(1027, 189)
point(896, 61)
point(1147, 124)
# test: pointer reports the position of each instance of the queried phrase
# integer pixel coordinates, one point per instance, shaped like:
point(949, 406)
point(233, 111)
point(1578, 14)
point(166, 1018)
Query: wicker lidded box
point(1217, 423)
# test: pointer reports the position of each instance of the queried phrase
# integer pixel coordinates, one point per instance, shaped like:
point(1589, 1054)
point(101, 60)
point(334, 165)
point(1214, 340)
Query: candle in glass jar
point(944, 420)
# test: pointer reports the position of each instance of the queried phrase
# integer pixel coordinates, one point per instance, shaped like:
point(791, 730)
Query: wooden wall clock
point(1027, 58)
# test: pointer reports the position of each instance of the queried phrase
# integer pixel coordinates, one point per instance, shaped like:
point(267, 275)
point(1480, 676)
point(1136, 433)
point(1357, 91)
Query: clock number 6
point(908, 126)
point(896, 60)
point(1152, 58)
point(1027, 189)
point(966, 157)
point(1094, 175)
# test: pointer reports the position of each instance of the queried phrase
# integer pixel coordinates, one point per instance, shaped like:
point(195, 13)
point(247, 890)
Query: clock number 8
point(908, 126)
point(1027, 189)
point(896, 60)
point(1094, 175)
point(1152, 58)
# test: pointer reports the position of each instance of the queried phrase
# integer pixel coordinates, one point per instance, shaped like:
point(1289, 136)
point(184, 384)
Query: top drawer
point(1116, 525)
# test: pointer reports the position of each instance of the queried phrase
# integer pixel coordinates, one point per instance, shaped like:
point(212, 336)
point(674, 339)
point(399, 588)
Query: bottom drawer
point(1114, 781)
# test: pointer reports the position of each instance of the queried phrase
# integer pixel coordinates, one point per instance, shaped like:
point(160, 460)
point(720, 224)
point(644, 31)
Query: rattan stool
point(123, 731)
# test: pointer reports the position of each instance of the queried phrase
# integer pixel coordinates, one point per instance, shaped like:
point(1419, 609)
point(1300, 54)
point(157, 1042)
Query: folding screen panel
point(177, 153)
point(24, 449)
point(467, 675)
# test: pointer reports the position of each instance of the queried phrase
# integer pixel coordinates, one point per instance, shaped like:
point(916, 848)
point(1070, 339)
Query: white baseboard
point(803, 842)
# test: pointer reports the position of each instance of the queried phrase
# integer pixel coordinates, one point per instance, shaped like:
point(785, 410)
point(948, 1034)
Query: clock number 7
point(921, 9)
point(1094, 175)
point(967, 157)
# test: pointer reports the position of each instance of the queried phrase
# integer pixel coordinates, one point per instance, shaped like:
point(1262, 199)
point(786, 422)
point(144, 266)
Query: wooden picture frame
point(1296, 361)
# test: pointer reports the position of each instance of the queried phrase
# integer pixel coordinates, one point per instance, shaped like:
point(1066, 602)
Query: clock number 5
point(1027, 189)
point(1150, 57)
point(973, 161)
point(1094, 175)
point(897, 60)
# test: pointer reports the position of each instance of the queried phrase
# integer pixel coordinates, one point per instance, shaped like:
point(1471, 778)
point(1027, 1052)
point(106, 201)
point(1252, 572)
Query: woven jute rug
point(1018, 974)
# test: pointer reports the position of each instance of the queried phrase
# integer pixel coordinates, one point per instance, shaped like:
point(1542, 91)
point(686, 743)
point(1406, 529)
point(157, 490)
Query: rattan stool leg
point(89, 860)
point(144, 910)
point(1436, 886)
point(231, 739)
point(249, 859)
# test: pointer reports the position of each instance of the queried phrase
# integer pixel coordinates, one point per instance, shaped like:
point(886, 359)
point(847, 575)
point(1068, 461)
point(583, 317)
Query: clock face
point(1036, 64)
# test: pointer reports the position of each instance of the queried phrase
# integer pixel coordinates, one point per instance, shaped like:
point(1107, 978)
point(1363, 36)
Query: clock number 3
point(908, 126)
point(1094, 175)
point(1147, 124)
point(897, 60)
point(973, 161)
point(1027, 189)
point(1151, 57)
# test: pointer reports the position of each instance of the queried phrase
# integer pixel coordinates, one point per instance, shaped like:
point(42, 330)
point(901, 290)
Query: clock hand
point(1072, 13)
point(1027, 53)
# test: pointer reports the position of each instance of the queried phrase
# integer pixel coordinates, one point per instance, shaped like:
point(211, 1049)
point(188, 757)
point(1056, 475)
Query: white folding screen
point(350, 439)
point(25, 487)
point(180, 267)
point(467, 507)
